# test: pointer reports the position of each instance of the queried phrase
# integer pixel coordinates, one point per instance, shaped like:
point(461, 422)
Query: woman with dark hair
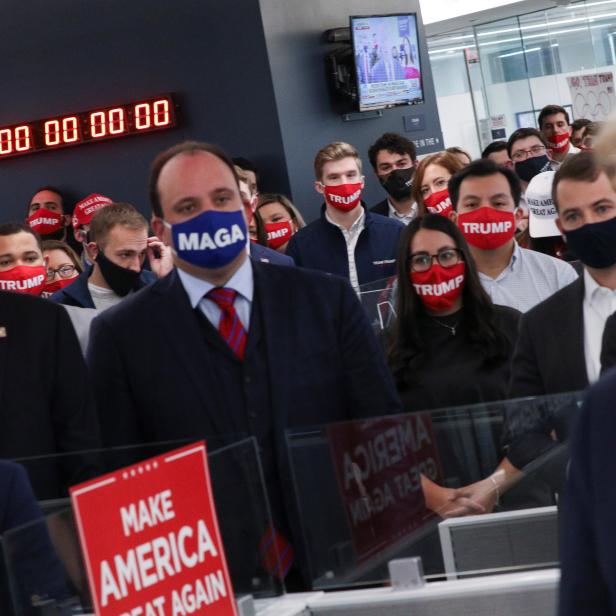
point(449, 344)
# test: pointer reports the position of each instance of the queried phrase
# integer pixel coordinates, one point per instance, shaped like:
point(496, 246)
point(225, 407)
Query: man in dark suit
point(588, 540)
point(45, 401)
point(393, 159)
point(225, 345)
point(560, 340)
point(575, 316)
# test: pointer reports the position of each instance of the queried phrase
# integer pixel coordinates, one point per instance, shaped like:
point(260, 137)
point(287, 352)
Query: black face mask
point(594, 244)
point(398, 183)
point(121, 280)
point(529, 168)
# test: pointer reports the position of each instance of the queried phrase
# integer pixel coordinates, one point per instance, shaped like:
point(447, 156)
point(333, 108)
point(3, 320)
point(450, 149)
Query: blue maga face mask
point(210, 240)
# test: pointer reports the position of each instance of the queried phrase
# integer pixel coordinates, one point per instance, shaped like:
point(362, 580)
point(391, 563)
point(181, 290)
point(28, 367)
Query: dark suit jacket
point(549, 356)
point(267, 255)
point(153, 376)
point(78, 294)
point(588, 550)
point(45, 401)
point(149, 360)
point(382, 208)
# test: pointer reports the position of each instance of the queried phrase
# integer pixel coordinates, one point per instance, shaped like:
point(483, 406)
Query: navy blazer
point(267, 255)
point(149, 361)
point(382, 208)
point(78, 294)
point(45, 397)
point(321, 246)
point(588, 550)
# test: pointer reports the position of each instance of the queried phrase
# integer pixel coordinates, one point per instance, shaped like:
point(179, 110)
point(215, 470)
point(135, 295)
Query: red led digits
point(70, 129)
point(51, 132)
point(115, 121)
point(98, 124)
point(143, 117)
point(161, 112)
point(6, 141)
point(23, 138)
point(103, 123)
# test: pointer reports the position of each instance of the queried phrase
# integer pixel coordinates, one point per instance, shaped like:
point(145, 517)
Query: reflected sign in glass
point(124, 120)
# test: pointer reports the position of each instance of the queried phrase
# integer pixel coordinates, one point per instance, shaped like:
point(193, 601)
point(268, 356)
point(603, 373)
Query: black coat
point(45, 401)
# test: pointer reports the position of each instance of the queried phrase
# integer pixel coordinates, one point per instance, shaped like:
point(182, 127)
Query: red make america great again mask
point(487, 228)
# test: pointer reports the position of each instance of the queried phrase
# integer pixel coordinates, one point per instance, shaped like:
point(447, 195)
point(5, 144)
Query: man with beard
point(393, 159)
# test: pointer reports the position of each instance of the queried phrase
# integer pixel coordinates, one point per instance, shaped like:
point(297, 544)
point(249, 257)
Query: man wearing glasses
point(485, 199)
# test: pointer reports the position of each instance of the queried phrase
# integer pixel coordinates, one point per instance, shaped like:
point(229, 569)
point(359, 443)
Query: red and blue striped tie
point(230, 327)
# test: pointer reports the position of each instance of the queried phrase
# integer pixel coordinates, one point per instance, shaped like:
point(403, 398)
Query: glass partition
point(43, 560)
point(378, 299)
point(439, 484)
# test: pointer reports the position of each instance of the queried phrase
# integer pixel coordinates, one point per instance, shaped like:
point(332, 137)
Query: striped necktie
point(230, 327)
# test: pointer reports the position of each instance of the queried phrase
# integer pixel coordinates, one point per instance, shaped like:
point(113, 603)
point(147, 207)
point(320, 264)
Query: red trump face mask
point(45, 221)
point(487, 228)
point(24, 279)
point(438, 203)
point(439, 287)
point(278, 233)
point(559, 144)
point(343, 197)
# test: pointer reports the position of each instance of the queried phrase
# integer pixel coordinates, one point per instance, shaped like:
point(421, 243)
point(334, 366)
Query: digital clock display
point(143, 116)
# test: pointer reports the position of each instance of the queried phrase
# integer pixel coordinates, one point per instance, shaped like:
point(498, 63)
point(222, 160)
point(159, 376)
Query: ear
point(518, 214)
point(318, 186)
point(66, 220)
point(363, 181)
point(79, 235)
point(92, 249)
point(559, 226)
point(158, 226)
point(453, 216)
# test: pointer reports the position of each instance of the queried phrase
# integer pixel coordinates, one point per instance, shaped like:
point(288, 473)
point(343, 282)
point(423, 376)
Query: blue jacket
point(267, 255)
point(321, 246)
point(78, 294)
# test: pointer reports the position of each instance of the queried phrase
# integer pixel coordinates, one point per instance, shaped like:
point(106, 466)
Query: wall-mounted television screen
point(387, 65)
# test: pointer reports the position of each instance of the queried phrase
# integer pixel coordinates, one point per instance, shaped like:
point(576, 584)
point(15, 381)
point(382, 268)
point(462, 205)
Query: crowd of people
point(234, 316)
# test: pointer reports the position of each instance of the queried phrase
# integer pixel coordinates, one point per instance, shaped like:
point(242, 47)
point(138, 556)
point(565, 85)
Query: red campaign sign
point(150, 539)
point(378, 464)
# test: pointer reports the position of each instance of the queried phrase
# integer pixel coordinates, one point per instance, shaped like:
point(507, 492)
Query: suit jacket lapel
point(7, 329)
point(176, 319)
point(573, 361)
point(279, 337)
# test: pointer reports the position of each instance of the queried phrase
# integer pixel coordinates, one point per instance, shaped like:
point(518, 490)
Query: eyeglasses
point(66, 271)
point(447, 257)
point(520, 155)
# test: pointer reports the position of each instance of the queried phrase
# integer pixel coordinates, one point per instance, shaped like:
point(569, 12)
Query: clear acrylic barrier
point(388, 487)
point(378, 300)
point(45, 572)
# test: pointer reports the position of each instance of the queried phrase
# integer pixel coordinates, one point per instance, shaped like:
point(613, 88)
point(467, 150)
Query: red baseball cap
point(86, 208)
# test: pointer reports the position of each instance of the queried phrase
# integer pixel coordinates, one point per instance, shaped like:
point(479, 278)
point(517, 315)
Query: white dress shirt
point(599, 304)
point(350, 237)
point(529, 278)
point(242, 282)
point(403, 218)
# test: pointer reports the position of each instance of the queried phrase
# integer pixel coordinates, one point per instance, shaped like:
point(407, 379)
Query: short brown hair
point(549, 110)
point(582, 167)
point(66, 249)
point(334, 151)
point(189, 148)
point(105, 219)
point(444, 159)
point(13, 228)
